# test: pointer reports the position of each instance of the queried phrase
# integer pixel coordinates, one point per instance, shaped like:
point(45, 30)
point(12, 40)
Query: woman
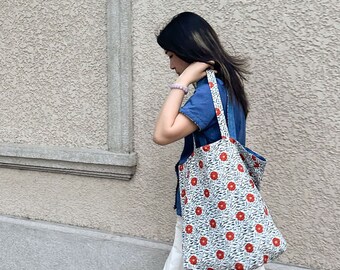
point(192, 47)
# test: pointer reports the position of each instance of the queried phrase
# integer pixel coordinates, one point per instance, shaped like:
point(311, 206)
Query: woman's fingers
point(196, 71)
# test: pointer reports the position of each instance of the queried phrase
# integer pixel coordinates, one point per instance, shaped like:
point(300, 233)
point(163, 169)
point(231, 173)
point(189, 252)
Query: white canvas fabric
point(175, 258)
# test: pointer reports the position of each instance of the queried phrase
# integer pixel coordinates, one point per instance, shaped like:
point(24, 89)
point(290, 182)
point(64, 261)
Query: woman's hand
point(193, 73)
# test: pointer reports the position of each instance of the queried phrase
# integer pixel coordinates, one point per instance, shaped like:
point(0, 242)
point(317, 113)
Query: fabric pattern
point(175, 258)
point(209, 132)
point(227, 225)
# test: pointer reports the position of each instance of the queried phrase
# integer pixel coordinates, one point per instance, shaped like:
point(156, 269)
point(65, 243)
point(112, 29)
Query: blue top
point(200, 109)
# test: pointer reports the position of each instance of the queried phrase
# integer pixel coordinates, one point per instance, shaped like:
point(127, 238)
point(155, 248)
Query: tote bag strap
point(217, 104)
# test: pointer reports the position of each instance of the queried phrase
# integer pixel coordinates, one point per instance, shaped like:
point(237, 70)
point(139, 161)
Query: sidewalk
point(276, 266)
point(38, 245)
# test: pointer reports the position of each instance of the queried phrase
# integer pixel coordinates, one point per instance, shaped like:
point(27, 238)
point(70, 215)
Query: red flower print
point(213, 175)
point(240, 168)
point(240, 216)
point(198, 211)
point(185, 200)
point(256, 165)
point(242, 157)
point(183, 193)
point(192, 154)
point(213, 223)
point(276, 242)
point(206, 193)
point(218, 111)
point(193, 260)
point(200, 163)
point(223, 156)
point(188, 229)
point(223, 137)
point(204, 241)
point(266, 211)
point(194, 181)
point(253, 157)
point(232, 140)
point(206, 148)
point(265, 258)
point(259, 228)
point(239, 266)
point(220, 254)
point(210, 268)
point(222, 205)
point(252, 183)
point(250, 197)
point(181, 167)
point(230, 236)
point(249, 248)
point(211, 85)
point(231, 186)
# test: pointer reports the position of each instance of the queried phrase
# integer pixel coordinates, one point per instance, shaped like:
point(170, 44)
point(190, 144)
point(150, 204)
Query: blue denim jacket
point(200, 109)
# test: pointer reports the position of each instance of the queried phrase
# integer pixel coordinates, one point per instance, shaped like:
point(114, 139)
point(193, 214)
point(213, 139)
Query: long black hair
point(192, 39)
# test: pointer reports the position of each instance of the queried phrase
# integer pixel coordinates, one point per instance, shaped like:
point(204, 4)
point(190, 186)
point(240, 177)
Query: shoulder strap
point(218, 104)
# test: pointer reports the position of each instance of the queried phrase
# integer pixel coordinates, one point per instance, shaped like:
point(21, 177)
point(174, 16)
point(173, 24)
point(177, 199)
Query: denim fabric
point(200, 109)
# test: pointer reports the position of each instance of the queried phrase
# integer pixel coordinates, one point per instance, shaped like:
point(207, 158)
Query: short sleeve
point(200, 107)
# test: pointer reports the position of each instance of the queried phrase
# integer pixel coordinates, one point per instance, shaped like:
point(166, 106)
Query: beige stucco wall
point(53, 65)
point(293, 52)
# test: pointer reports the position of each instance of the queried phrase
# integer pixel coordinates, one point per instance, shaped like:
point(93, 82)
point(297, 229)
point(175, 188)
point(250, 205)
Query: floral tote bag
point(226, 223)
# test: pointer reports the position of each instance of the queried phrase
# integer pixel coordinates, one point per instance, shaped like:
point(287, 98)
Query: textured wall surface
point(53, 73)
point(293, 49)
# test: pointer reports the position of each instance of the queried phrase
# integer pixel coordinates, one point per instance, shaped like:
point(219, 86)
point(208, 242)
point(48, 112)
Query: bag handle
point(222, 122)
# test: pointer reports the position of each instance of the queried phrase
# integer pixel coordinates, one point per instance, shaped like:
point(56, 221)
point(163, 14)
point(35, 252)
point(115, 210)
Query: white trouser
point(175, 258)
